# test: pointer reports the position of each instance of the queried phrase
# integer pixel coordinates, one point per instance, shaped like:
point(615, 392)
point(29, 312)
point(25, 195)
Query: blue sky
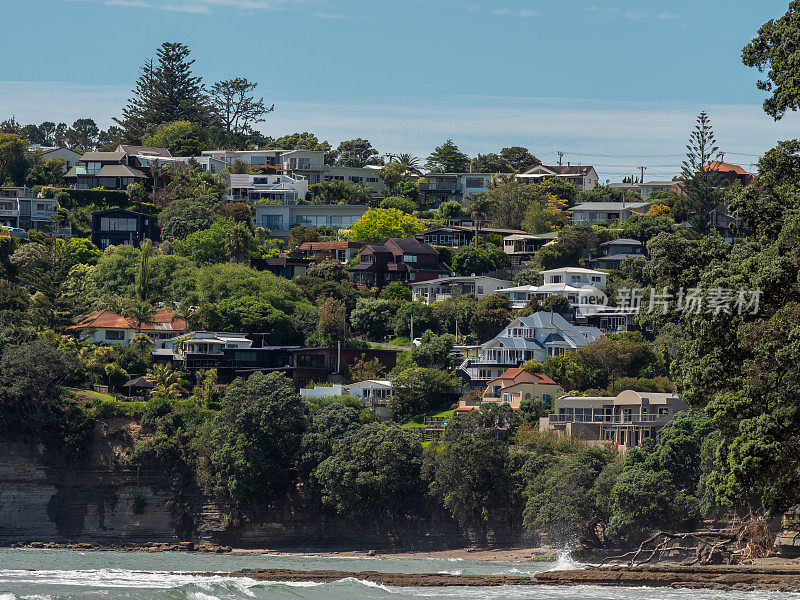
point(617, 83)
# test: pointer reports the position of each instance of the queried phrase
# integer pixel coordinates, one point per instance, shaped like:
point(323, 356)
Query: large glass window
point(92, 168)
point(304, 164)
point(272, 222)
point(117, 224)
point(258, 160)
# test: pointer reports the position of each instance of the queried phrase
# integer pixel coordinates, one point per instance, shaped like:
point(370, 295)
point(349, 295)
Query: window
point(596, 279)
point(479, 290)
point(343, 221)
point(372, 180)
point(356, 179)
point(583, 414)
point(575, 278)
point(663, 410)
point(258, 160)
point(273, 222)
point(555, 278)
point(92, 168)
point(546, 398)
point(112, 334)
point(410, 258)
point(304, 164)
point(117, 224)
point(475, 182)
point(367, 258)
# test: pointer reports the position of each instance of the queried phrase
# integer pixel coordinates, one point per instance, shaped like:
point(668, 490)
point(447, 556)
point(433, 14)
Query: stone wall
point(788, 540)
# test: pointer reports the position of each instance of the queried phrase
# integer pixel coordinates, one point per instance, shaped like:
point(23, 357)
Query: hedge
point(78, 198)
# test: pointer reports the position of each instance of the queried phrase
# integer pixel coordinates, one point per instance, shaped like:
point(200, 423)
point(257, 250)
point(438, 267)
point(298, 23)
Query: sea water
point(29, 574)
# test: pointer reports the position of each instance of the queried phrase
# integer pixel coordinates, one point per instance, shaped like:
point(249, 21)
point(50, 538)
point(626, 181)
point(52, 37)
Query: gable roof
point(410, 245)
point(104, 319)
point(726, 168)
point(161, 320)
point(622, 241)
point(103, 156)
point(601, 206)
point(148, 150)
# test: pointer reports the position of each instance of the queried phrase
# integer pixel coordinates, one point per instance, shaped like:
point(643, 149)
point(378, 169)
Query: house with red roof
point(107, 327)
point(514, 386)
point(730, 173)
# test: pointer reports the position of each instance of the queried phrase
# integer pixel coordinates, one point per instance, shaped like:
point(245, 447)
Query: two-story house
point(20, 207)
point(398, 259)
point(118, 169)
point(299, 164)
point(583, 177)
point(340, 250)
point(280, 218)
point(436, 188)
point(266, 189)
point(522, 246)
point(534, 337)
point(368, 176)
point(458, 236)
point(615, 251)
point(578, 285)
point(514, 386)
point(623, 421)
point(119, 226)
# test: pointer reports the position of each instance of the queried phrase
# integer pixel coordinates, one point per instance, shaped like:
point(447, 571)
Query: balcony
point(434, 186)
point(9, 212)
point(609, 419)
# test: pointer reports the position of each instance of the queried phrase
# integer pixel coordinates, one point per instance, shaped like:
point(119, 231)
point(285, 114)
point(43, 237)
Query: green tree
point(340, 192)
point(417, 390)
point(166, 91)
point(235, 106)
point(400, 203)
point(491, 315)
point(355, 153)
point(490, 163)
point(186, 215)
point(377, 225)
point(480, 207)
point(520, 158)
point(644, 227)
point(774, 50)
point(181, 138)
point(700, 183)
point(207, 245)
point(248, 451)
point(396, 292)
point(372, 317)
point(82, 136)
point(373, 472)
point(447, 158)
point(434, 350)
point(13, 159)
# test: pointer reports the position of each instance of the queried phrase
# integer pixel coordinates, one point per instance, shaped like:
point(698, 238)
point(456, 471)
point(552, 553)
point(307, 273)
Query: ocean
point(32, 574)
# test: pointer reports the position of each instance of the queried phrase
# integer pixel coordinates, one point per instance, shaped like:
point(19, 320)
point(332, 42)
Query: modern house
point(204, 163)
point(514, 386)
point(398, 259)
point(450, 287)
point(436, 188)
point(279, 219)
point(624, 421)
point(119, 226)
point(615, 251)
point(536, 337)
point(458, 236)
point(288, 265)
point(583, 177)
point(107, 327)
point(343, 251)
point(266, 189)
point(373, 393)
point(522, 246)
point(578, 285)
point(118, 169)
point(234, 356)
point(20, 207)
point(589, 213)
point(299, 164)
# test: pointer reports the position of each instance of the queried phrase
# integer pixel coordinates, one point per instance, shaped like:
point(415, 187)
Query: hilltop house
point(583, 177)
point(70, 157)
point(398, 259)
point(20, 207)
point(367, 176)
point(624, 421)
point(343, 251)
point(118, 169)
point(578, 285)
point(300, 164)
point(279, 219)
point(589, 213)
point(458, 236)
point(615, 251)
point(450, 287)
point(514, 386)
point(373, 393)
point(523, 246)
point(265, 189)
point(537, 336)
point(107, 327)
point(436, 188)
point(118, 226)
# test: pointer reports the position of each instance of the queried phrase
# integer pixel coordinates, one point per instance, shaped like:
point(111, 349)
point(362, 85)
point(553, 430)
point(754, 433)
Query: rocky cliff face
point(788, 540)
point(46, 498)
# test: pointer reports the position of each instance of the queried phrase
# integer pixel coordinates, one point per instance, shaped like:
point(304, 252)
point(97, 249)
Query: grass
point(399, 341)
point(106, 405)
point(419, 420)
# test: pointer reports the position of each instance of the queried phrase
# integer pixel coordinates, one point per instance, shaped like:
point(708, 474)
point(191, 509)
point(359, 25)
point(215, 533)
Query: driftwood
point(664, 542)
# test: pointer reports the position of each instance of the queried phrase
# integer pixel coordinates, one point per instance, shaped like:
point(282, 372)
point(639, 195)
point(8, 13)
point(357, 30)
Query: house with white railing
point(625, 420)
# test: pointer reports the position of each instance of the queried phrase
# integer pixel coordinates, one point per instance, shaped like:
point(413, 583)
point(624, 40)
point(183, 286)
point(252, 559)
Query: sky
point(617, 84)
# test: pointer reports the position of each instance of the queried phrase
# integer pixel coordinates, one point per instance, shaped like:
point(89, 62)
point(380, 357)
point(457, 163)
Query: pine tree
point(165, 91)
point(700, 182)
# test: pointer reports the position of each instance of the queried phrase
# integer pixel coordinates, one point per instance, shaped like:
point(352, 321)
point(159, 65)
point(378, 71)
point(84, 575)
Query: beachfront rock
point(787, 542)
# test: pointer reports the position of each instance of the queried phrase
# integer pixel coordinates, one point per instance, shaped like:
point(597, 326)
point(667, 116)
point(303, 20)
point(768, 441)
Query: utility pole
point(560, 157)
point(643, 170)
point(412, 329)
point(390, 156)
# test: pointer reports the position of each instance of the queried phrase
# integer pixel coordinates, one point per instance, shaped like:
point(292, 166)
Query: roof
point(573, 270)
point(561, 169)
point(515, 372)
point(120, 171)
point(148, 150)
point(726, 168)
point(322, 246)
point(609, 206)
point(619, 241)
point(613, 257)
point(71, 173)
point(103, 156)
point(457, 280)
point(140, 382)
point(466, 229)
point(410, 246)
point(161, 320)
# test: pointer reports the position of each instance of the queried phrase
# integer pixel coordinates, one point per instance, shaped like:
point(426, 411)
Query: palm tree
point(167, 382)
point(237, 242)
point(140, 311)
point(480, 207)
point(183, 311)
point(411, 163)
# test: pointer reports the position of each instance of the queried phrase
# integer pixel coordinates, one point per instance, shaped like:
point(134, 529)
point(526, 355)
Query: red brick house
point(398, 259)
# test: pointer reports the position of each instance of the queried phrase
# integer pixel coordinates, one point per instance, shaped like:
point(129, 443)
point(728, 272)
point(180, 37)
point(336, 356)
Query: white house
point(448, 287)
point(207, 342)
point(583, 177)
point(536, 337)
point(373, 393)
point(356, 175)
point(70, 157)
point(307, 163)
point(107, 327)
point(578, 285)
point(266, 189)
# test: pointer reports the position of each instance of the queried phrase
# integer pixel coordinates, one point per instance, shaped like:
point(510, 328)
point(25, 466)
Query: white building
point(207, 342)
point(373, 393)
point(578, 285)
point(583, 177)
point(70, 157)
point(448, 287)
point(266, 189)
point(368, 176)
point(441, 187)
point(536, 337)
point(307, 163)
point(20, 207)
